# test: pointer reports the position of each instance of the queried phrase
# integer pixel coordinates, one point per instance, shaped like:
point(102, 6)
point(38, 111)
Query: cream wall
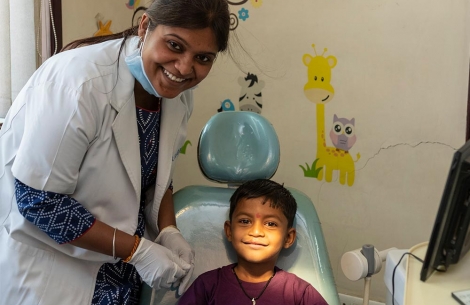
point(402, 73)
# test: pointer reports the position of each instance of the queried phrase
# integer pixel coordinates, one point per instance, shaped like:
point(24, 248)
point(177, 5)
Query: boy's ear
point(290, 237)
point(228, 230)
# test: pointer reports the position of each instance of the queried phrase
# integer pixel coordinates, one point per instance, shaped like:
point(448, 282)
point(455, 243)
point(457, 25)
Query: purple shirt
point(220, 286)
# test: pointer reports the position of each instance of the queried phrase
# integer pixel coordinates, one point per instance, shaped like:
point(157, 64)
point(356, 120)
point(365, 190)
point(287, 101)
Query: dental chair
point(235, 147)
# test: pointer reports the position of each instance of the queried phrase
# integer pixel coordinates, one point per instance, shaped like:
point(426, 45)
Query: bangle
point(114, 244)
point(136, 244)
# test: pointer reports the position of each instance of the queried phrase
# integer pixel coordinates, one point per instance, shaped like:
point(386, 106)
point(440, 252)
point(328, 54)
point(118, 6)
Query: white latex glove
point(171, 238)
point(157, 265)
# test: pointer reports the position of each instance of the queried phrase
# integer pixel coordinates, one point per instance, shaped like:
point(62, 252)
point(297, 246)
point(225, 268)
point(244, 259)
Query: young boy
point(261, 224)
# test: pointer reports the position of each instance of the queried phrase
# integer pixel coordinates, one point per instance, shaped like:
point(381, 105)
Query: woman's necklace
point(262, 291)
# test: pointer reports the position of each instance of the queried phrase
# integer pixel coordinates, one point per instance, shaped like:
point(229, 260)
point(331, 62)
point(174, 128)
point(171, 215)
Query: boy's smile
point(258, 232)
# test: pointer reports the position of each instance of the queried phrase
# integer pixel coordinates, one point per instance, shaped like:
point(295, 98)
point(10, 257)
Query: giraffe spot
point(342, 155)
point(335, 154)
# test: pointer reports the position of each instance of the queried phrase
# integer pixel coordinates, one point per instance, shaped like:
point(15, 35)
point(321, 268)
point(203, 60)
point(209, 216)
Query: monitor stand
point(440, 285)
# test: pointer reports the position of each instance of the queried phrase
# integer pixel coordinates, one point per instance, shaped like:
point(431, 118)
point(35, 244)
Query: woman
point(87, 153)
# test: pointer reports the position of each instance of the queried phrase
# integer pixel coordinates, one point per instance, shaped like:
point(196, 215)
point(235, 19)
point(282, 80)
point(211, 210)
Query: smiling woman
point(176, 59)
point(101, 124)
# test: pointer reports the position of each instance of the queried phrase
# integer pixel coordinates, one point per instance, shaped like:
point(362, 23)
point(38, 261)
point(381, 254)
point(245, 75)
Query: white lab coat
point(72, 130)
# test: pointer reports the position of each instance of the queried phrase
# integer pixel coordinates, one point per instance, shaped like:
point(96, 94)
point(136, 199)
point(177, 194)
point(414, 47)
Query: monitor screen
point(450, 237)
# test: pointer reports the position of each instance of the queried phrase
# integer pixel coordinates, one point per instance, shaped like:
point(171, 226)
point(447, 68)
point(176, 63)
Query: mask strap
point(145, 37)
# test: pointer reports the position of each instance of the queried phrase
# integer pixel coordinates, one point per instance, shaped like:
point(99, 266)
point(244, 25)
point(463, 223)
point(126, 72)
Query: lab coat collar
point(125, 124)
point(127, 141)
point(124, 89)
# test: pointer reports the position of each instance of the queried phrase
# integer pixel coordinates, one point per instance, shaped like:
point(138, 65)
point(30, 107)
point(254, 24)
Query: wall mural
point(242, 14)
point(319, 91)
point(226, 105)
point(251, 98)
point(103, 29)
point(133, 4)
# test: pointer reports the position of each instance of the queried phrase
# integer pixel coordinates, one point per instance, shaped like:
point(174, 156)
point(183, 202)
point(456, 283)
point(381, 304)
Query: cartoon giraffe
point(319, 91)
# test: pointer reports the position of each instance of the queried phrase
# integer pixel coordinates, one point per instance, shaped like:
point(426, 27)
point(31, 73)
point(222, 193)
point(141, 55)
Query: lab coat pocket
point(25, 271)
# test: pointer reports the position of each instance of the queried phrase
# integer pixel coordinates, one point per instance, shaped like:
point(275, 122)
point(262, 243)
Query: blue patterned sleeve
point(61, 217)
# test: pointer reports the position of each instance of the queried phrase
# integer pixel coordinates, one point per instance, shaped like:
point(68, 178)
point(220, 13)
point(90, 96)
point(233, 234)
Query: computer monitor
point(450, 237)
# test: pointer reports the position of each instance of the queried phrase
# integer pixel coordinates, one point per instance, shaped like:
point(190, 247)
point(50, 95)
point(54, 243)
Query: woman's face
point(176, 59)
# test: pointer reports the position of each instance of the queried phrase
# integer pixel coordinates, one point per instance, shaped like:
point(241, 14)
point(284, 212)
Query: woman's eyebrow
point(185, 43)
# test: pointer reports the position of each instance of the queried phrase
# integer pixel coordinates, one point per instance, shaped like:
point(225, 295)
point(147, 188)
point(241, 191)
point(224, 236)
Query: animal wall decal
point(342, 133)
point(319, 91)
point(251, 98)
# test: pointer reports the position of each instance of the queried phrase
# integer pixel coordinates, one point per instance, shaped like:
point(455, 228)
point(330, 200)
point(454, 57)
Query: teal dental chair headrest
point(237, 146)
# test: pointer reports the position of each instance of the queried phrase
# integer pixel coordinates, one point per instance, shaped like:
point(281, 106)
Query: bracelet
point(136, 244)
point(114, 244)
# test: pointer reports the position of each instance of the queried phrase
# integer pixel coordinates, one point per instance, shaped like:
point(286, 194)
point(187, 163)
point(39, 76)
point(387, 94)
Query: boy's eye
point(244, 221)
point(271, 224)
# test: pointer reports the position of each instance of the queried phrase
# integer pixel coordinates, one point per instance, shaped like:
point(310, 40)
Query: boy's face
point(258, 232)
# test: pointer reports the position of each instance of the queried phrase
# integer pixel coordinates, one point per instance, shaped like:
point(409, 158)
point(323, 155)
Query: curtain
point(17, 49)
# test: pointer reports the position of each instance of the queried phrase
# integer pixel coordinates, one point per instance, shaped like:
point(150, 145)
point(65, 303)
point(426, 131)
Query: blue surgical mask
point(136, 66)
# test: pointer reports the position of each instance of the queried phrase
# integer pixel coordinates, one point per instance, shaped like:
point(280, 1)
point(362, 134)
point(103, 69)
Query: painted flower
point(243, 14)
point(256, 3)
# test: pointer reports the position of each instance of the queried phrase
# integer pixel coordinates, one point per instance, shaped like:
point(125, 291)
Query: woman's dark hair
point(189, 14)
point(274, 193)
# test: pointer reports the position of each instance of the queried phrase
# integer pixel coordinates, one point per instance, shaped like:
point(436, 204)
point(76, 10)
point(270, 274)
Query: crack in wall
point(404, 144)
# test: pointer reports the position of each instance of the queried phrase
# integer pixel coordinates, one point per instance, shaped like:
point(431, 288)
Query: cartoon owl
point(343, 133)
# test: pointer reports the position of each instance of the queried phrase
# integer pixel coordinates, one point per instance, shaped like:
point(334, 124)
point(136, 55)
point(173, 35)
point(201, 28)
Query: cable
point(393, 273)
point(365, 300)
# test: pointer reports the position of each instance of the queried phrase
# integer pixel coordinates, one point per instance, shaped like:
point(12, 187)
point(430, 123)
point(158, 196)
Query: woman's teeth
point(172, 77)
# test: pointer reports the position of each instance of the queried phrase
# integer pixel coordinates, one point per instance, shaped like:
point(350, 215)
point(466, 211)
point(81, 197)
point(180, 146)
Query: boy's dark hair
point(274, 193)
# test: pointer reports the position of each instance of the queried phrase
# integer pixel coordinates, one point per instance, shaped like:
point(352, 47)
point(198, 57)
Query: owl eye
point(315, 78)
point(322, 79)
point(338, 128)
point(349, 130)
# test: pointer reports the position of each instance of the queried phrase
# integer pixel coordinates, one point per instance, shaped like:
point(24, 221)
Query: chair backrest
point(235, 147)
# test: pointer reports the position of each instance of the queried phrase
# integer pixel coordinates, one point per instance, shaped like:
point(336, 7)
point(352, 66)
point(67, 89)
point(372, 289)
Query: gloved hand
point(171, 238)
point(157, 265)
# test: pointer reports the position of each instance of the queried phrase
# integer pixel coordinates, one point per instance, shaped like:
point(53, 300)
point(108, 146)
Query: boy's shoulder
point(291, 277)
point(296, 286)
point(215, 274)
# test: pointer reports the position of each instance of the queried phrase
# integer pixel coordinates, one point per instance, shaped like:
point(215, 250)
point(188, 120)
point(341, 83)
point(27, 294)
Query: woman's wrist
point(124, 245)
point(136, 244)
point(169, 226)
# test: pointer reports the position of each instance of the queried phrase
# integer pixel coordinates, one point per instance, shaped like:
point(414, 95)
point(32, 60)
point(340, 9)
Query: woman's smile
point(173, 77)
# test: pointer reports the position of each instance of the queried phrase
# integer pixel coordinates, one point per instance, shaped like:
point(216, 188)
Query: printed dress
point(64, 219)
